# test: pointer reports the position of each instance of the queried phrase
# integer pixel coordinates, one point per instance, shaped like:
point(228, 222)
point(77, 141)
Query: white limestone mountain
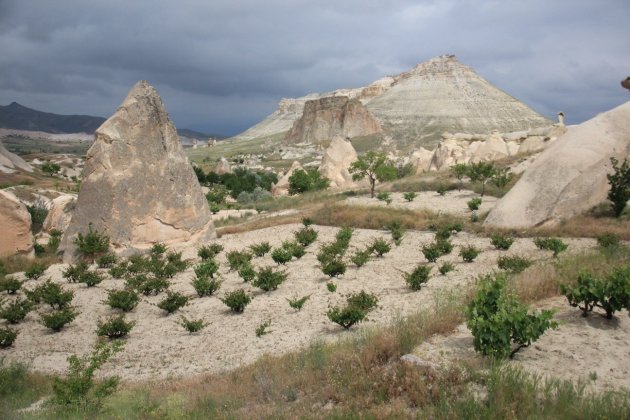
point(417, 106)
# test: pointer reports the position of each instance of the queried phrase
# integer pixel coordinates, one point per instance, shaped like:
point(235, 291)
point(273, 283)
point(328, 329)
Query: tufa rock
point(15, 226)
point(60, 213)
point(10, 162)
point(421, 160)
point(138, 185)
point(337, 159)
point(223, 167)
point(569, 177)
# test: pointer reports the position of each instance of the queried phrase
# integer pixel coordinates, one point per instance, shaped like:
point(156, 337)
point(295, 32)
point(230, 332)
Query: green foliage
point(119, 270)
point(90, 278)
point(360, 258)
point(307, 221)
point(78, 386)
point(501, 177)
point(310, 180)
point(380, 247)
point(442, 233)
point(54, 240)
point(16, 310)
point(343, 237)
point(38, 212)
point(611, 294)
point(514, 264)
point(552, 244)
point(114, 327)
point(10, 284)
point(474, 203)
point(384, 196)
point(357, 307)
point(35, 271)
point(173, 301)
point(446, 267)
point(50, 168)
point(217, 195)
point(362, 300)
point(608, 240)
point(240, 180)
point(481, 172)
point(418, 276)
point(208, 252)
point(501, 241)
point(459, 171)
point(410, 196)
point(125, 300)
point(497, 320)
point(192, 325)
point(441, 189)
point(334, 268)
point(237, 258)
point(281, 255)
point(248, 198)
point(397, 230)
point(214, 208)
point(7, 337)
point(262, 328)
point(431, 252)
point(469, 253)
point(51, 294)
point(247, 272)
point(106, 260)
point(151, 285)
point(331, 287)
point(206, 286)
point(444, 246)
point(92, 243)
point(58, 319)
point(619, 182)
point(38, 249)
point(207, 269)
point(158, 249)
point(260, 249)
point(306, 236)
point(375, 166)
point(237, 300)
point(296, 303)
point(268, 279)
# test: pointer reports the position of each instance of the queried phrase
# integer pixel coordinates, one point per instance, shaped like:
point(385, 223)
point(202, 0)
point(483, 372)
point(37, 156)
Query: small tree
point(302, 181)
point(459, 171)
point(375, 166)
point(481, 172)
point(501, 177)
point(619, 182)
point(50, 168)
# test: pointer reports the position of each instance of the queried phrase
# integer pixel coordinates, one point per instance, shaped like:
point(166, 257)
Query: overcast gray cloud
point(222, 65)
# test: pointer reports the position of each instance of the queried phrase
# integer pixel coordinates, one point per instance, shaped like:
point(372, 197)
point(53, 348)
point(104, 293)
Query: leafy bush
point(619, 182)
point(481, 172)
point(360, 258)
point(441, 189)
point(497, 319)
point(330, 252)
point(410, 196)
point(158, 249)
point(258, 194)
point(206, 286)
point(118, 271)
point(469, 253)
point(552, 244)
point(125, 300)
point(446, 267)
point(260, 249)
point(35, 271)
point(174, 264)
point(262, 328)
point(357, 307)
point(267, 279)
point(306, 236)
point(247, 272)
point(206, 269)
point(310, 180)
point(431, 252)
point(380, 247)
point(52, 294)
point(237, 258)
point(418, 276)
point(114, 327)
point(173, 301)
point(343, 237)
point(513, 264)
point(331, 287)
point(334, 268)
point(208, 252)
point(54, 240)
point(397, 230)
point(307, 221)
point(608, 240)
point(296, 303)
point(73, 272)
point(10, 284)
point(444, 246)
point(50, 168)
point(611, 294)
point(7, 337)
point(152, 285)
point(362, 300)
point(106, 260)
point(459, 171)
point(58, 319)
point(384, 196)
point(38, 249)
point(16, 310)
point(501, 241)
point(281, 255)
point(474, 203)
point(38, 212)
point(237, 300)
point(92, 243)
point(193, 325)
point(90, 278)
point(443, 233)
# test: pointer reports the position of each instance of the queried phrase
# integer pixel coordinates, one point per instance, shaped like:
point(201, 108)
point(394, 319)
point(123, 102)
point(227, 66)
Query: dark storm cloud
point(222, 65)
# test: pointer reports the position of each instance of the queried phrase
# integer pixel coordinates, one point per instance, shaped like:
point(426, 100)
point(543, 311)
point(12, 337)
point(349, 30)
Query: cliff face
point(324, 118)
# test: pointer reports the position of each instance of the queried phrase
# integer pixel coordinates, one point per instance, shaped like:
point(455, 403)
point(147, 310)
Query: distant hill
point(184, 132)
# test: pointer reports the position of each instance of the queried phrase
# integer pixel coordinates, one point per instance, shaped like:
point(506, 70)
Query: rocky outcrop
point(421, 160)
point(282, 186)
point(337, 159)
point(325, 118)
point(60, 213)
point(15, 225)
point(569, 177)
point(138, 185)
point(223, 167)
point(10, 162)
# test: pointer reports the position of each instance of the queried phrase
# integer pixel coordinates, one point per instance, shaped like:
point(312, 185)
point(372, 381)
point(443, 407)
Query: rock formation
point(421, 160)
point(60, 213)
point(15, 226)
point(223, 167)
point(569, 177)
point(10, 162)
point(138, 185)
point(282, 186)
point(337, 159)
point(325, 118)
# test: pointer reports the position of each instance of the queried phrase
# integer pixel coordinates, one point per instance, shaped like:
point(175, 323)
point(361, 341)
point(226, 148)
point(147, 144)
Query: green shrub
point(310, 180)
point(206, 269)
point(16, 310)
point(444, 246)
point(446, 267)
point(441, 189)
point(237, 300)
point(173, 301)
point(306, 236)
point(92, 243)
point(262, 328)
point(206, 286)
point(90, 278)
point(384, 196)
point(52, 294)
point(331, 287)
point(125, 300)
point(281, 255)
point(474, 203)
point(296, 303)
point(237, 258)
point(552, 244)
point(174, 264)
point(307, 221)
point(295, 248)
point(158, 249)
point(334, 268)
point(208, 252)
point(10, 284)
point(267, 279)
point(418, 276)
point(410, 196)
point(501, 241)
point(442, 233)
point(397, 230)
point(357, 307)
point(608, 240)
point(118, 271)
point(260, 249)
point(114, 327)
point(362, 300)
point(152, 285)
point(619, 181)
point(35, 271)
point(380, 247)
point(431, 252)
point(55, 239)
point(106, 260)
point(58, 319)
point(513, 264)
point(497, 320)
point(7, 337)
point(73, 272)
point(360, 258)
point(193, 325)
point(611, 294)
point(343, 237)
point(330, 252)
point(39, 249)
point(247, 272)
point(38, 212)
point(214, 208)
point(469, 253)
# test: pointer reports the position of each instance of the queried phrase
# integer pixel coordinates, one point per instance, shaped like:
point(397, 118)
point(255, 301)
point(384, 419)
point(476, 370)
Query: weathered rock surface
point(569, 177)
point(421, 160)
point(15, 226)
point(60, 213)
point(337, 159)
point(282, 186)
point(138, 185)
point(223, 167)
point(10, 162)
point(325, 118)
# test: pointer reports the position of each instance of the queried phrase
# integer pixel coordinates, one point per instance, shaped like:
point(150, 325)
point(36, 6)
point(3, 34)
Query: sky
point(222, 65)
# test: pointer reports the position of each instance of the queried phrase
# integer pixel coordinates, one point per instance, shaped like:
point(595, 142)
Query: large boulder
point(493, 148)
point(138, 186)
point(15, 225)
point(569, 177)
point(60, 213)
point(336, 161)
point(421, 160)
point(10, 162)
point(282, 186)
point(223, 167)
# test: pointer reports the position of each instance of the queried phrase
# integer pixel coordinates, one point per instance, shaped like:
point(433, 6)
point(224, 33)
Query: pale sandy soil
point(592, 349)
point(158, 347)
point(453, 202)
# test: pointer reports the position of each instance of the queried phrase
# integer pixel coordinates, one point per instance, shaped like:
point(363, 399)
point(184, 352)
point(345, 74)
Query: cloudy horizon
point(222, 66)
